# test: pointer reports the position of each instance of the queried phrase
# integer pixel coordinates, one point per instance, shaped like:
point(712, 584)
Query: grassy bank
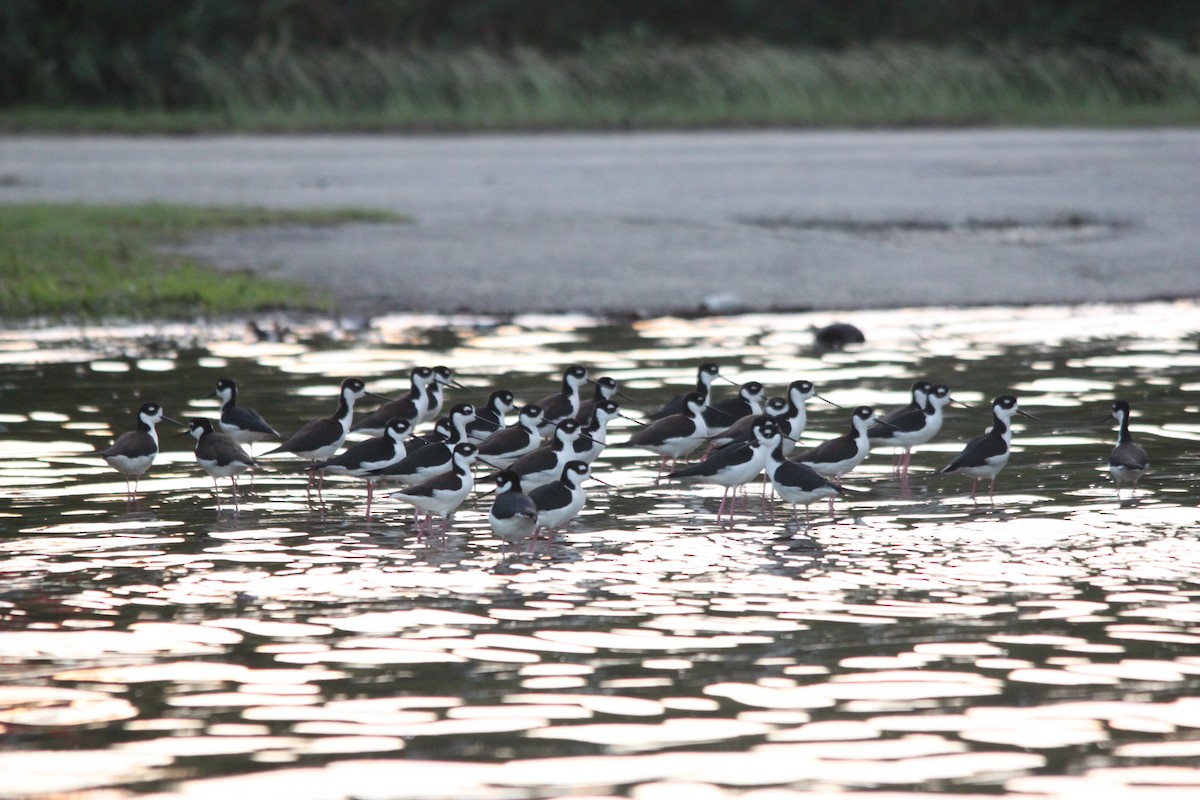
point(642, 85)
point(83, 261)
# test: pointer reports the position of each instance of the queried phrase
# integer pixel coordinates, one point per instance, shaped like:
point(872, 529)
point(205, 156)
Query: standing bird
point(798, 484)
point(220, 455)
point(792, 425)
point(790, 414)
point(606, 389)
point(912, 425)
point(742, 431)
point(245, 425)
point(132, 453)
point(560, 501)
point(984, 456)
point(505, 446)
point(442, 494)
point(706, 374)
point(513, 515)
point(834, 457)
point(919, 392)
point(675, 436)
point(565, 402)
point(1127, 461)
point(594, 435)
point(435, 391)
point(365, 458)
point(735, 465)
point(749, 402)
point(432, 459)
point(490, 418)
point(411, 406)
point(545, 464)
point(319, 439)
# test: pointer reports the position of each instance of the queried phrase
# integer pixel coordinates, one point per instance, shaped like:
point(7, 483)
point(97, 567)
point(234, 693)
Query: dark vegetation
point(453, 64)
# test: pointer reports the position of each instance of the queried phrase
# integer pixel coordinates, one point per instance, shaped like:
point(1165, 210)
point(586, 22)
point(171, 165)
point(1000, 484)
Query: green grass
point(104, 262)
point(629, 83)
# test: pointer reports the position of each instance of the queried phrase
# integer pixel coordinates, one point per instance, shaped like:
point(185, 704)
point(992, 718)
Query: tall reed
point(632, 83)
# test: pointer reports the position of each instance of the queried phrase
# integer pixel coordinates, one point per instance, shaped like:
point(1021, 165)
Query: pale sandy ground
point(654, 223)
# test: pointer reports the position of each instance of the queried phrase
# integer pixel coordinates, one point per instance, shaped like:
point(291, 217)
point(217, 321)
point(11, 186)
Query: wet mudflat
point(914, 642)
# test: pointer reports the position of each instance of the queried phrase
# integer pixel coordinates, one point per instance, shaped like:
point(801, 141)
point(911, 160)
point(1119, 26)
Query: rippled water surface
point(915, 643)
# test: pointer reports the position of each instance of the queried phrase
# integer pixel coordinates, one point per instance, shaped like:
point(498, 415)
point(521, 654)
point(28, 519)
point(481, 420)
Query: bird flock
point(540, 461)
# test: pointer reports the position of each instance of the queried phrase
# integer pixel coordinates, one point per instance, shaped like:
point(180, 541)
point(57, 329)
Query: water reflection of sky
point(1047, 646)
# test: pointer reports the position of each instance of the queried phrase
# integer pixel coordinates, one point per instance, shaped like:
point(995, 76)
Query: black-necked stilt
point(742, 431)
point(606, 389)
point(792, 424)
point(442, 494)
point(565, 402)
point(319, 439)
point(984, 456)
point(835, 457)
point(513, 515)
point(559, 501)
point(545, 464)
point(364, 459)
point(245, 425)
point(132, 453)
point(789, 413)
point(594, 435)
point(220, 455)
point(443, 376)
point(798, 484)
point(411, 406)
point(735, 465)
point(490, 418)
point(918, 394)
point(675, 436)
point(706, 373)
point(434, 458)
point(913, 425)
point(505, 446)
point(749, 402)
point(1127, 462)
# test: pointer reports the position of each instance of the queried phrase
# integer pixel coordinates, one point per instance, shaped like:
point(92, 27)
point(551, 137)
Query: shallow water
point(916, 642)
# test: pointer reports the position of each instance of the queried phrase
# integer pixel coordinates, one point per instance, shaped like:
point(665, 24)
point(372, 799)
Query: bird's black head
point(198, 426)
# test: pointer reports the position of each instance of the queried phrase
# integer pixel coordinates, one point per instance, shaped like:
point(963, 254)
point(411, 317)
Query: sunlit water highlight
point(915, 643)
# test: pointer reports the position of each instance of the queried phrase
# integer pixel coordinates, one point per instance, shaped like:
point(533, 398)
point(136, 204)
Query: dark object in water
point(837, 336)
